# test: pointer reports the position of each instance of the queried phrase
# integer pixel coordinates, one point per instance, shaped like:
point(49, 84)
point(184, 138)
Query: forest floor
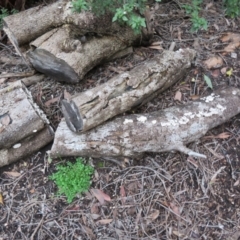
point(160, 196)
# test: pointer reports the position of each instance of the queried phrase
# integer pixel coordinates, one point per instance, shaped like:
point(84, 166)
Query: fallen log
point(22, 124)
point(127, 90)
point(161, 131)
point(66, 45)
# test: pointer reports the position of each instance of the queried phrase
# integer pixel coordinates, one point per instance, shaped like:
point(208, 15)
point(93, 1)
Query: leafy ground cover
point(160, 196)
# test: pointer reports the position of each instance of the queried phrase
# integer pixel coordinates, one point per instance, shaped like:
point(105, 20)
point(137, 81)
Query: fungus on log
point(161, 131)
point(128, 90)
point(24, 128)
point(66, 45)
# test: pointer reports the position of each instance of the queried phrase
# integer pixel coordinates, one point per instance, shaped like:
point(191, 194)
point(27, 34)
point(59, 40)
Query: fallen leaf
point(95, 216)
point(89, 232)
point(153, 216)
point(123, 194)
point(178, 96)
point(94, 208)
point(104, 221)
point(5, 119)
point(208, 81)
point(213, 178)
point(174, 208)
point(194, 97)
point(215, 73)
point(32, 190)
point(214, 62)
point(223, 135)
point(13, 174)
point(233, 38)
point(51, 101)
point(1, 199)
point(224, 70)
point(156, 47)
point(100, 195)
point(236, 183)
point(229, 72)
point(66, 95)
point(156, 43)
point(177, 233)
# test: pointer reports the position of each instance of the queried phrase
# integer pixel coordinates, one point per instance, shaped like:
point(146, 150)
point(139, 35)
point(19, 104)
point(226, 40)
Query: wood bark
point(167, 130)
point(70, 43)
point(130, 89)
point(21, 121)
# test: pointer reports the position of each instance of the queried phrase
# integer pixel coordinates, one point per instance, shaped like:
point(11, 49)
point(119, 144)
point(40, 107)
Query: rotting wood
point(167, 130)
point(129, 89)
point(59, 35)
point(21, 123)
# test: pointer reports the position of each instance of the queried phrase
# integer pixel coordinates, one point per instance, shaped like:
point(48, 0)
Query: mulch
point(159, 196)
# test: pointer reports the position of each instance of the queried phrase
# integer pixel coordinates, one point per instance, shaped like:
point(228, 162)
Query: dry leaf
point(236, 183)
point(51, 101)
point(224, 70)
point(194, 97)
point(213, 179)
point(156, 47)
point(13, 174)
point(5, 119)
point(215, 73)
point(177, 233)
point(104, 221)
point(174, 208)
point(95, 216)
point(234, 39)
point(214, 62)
point(89, 232)
point(123, 194)
point(223, 135)
point(156, 43)
point(154, 215)
point(32, 190)
point(66, 95)
point(100, 195)
point(178, 96)
point(94, 208)
point(1, 198)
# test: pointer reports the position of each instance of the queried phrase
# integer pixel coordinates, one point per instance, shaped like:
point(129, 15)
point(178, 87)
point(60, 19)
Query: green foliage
point(4, 13)
point(73, 179)
point(232, 8)
point(193, 11)
point(124, 11)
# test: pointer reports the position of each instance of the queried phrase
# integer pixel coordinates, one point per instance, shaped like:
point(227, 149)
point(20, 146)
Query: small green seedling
point(124, 11)
point(232, 8)
point(4, 13)
point(73, 178)
point(197, 21)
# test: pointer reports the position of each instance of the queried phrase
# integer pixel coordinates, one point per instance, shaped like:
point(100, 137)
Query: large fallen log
point(167, 130)
point(24, 128)
point(68, 44)
point(128, 90)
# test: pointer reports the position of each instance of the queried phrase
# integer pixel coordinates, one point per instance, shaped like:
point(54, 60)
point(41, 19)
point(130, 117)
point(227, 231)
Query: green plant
point(124, 11)
point(232, 8)
point(72, 179)
point(197, 21)
point(4, 13)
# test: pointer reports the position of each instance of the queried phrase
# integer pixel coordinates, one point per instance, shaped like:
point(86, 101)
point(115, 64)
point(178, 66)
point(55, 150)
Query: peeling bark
point(130, 89)
point(21, 121)
point(72, 43)
point(161, 131)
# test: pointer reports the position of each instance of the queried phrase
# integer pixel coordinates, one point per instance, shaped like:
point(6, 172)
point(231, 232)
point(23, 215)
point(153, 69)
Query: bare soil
point(160, 196)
